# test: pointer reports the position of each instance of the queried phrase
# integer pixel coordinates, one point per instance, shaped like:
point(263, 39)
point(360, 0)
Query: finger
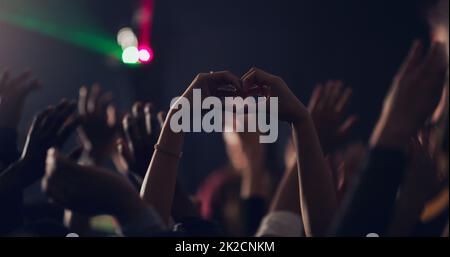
point(40, 120)
point(315, 97)
point(35, 84)
point(125, 151)
point(111, 116)
point(162, 118)
point(64, 110)
point(227, 77)
point(347, 126)
point(225, 91)
point(250, 79)
point(67, 130)
point(344, 100)
point(43, 116)
point(224, 78)
point(50, 162)
point(150, 119)
point(101, 106)
point(21, 79)
point(93, 98)
point(414, 57)
point(335, 93)
point(56, 163)
point(82, 101)
point(259, 80)
point(60, 116)
point(131, 132)
point(140, 119)
point(47, 182)
point(326, 96)
point(248, 72)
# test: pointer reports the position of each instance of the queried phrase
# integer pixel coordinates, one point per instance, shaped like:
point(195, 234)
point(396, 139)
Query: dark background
point(304, 41)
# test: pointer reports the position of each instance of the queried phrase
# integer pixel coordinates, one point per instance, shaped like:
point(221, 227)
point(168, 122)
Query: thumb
point(124, 151)
point(162, 118)
point(34, 85)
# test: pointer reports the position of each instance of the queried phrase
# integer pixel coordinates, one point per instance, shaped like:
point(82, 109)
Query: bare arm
point(287, 196)
point(318, 198)
point(317, 194)
point(159, 184)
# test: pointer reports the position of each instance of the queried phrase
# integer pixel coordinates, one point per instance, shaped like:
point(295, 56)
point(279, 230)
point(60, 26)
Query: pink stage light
point(146, 55)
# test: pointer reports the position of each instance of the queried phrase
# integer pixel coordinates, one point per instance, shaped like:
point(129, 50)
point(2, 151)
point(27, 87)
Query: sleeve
point(368, 207)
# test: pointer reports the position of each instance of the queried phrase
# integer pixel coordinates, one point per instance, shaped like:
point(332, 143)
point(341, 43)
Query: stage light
point(126, 38)
point(130, 55)
point(146, 55)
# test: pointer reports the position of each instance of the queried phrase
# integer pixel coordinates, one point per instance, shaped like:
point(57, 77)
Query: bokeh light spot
point(130, 55)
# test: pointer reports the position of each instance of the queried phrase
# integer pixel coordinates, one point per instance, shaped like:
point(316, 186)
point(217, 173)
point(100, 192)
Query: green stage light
point(130, 55)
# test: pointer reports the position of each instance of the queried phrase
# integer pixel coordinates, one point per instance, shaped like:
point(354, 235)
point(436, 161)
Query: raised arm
point(99, 128)
point(414, 94)
point(13, 93)
point(317, 194)
point(50, 128)
point(159, 183)
point(328, 105)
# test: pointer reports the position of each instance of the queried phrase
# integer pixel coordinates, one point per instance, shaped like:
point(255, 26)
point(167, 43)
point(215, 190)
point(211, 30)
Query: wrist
point(302, 121)
point(302, 113)
point(391, 134)
point(169, 139)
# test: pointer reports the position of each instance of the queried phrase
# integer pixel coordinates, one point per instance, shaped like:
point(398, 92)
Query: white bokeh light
point(126, 38)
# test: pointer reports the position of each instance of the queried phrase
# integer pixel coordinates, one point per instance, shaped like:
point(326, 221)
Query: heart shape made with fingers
point(230, 90)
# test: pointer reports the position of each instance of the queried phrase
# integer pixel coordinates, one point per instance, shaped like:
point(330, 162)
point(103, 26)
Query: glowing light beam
point(57, 30)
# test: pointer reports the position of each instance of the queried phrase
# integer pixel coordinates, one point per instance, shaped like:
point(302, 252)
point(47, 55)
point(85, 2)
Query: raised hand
point(99, 127)
point(51, 128)
point(90, 190)
point(327, 106)
point(219, 84)
point(159, 183)
point(346, 164)
point(13, 92)
point(317, 193)
point(141, 130)
point(248, 158)
point(259, 83)
point(414, 95)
